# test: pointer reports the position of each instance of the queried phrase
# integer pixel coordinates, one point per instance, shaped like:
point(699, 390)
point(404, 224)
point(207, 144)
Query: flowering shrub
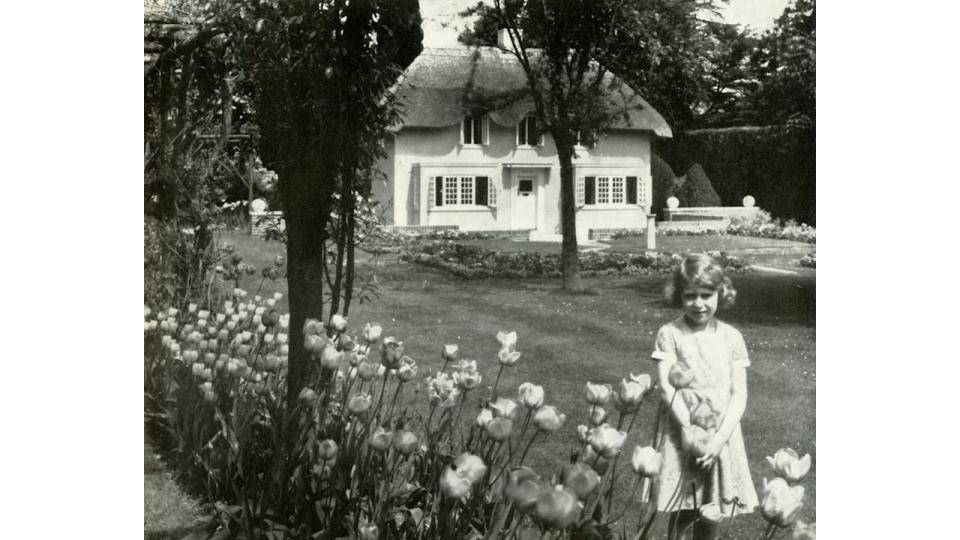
point(762, 225)
point(809, 260)
point(381, 241)
point(471, 262)
point(349, 458)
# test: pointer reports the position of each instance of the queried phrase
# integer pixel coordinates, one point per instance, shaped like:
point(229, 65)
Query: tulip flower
point(380, 439)
point(595, 460)
point(581, 479)
point(781, 503)
point(371, 333)
point(695, 440)
point(467, 380)
point(221, 317)
point(365, 371)
point(459, 477)
point(508, 357)
point(646, 461)
point(558, 508)
point(172, 312)
point(146, 312)
point(607, 441)
point(405, 442)
point(680, 376)
point(314, 344)
point(704, 416)
point(524, 488)
point(196, 369)
point(312, 327)
point(408, 369)
point(484, 418)
point(450, 353)
point(330, 358)
point(338, 322)
point(548, 418)
point(360, 403)
point(631, 391)
point(283, 338)
point(367, 532)
point(391, 352)
point(597, 415)
point(598, 394)
point(504, 407)
point(788, 464)
point(440, 388)
point(583, 432)
point(307, 396)
point(381, 371)
point(531, 395)
point(802, 531)
point(327, 450)
point(507, 340)
point(499, 429)
point(712, 513)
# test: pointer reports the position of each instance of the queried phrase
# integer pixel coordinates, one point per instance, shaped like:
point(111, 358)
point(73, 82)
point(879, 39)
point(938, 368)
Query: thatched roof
point(443, 85)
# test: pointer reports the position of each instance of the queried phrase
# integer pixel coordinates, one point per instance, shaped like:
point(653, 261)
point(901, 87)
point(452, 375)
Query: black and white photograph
point(461, 269)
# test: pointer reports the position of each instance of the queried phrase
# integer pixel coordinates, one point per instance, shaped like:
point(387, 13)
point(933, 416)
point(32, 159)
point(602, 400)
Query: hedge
point(775, 165)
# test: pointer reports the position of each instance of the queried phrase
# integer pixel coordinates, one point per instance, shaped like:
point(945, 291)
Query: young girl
point(702, 372)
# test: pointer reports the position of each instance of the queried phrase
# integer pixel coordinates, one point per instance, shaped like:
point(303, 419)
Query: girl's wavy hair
point(700, 270)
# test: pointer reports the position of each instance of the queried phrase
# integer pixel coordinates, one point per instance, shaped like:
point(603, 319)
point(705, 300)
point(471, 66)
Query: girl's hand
point(712, 452)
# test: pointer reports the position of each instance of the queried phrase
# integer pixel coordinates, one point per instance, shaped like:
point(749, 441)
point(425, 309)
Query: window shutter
point(590, 190)
point(643, 192)
point(481, 198)
point(485, 127)
point(436, 191)
point(633, 192)
point(580, 192)
point(416, 193)
point(491, 193)
point(464, 129)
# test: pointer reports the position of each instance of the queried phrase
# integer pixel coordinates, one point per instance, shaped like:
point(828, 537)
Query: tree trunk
point(305, 214)
point(569, 261)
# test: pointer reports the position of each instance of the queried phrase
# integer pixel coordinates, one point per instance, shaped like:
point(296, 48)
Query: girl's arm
point(670, 395)
point(731, 417)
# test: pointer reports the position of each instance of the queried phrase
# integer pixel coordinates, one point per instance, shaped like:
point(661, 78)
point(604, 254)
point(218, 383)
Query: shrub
point(809, 260)
point(665, 183)
point(696, 190)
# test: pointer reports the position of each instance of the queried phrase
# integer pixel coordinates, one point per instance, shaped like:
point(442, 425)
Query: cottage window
point(528, 132)
point(610, 191)
point(474, 129)
point(586, 139)
point(463, 191)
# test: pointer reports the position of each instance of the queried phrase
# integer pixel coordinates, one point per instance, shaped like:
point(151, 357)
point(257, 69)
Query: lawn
point(569, 340)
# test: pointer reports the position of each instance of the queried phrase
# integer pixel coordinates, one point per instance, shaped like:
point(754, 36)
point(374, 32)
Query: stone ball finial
point(258, 205)
point(749, 201)
point(673, 202)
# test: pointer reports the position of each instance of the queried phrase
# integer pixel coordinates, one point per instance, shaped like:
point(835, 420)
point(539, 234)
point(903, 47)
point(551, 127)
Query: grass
point(168, 513)
point(569, 340)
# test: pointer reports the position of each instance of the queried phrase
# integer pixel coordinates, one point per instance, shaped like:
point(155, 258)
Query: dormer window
point(474, 130)
point(587, 139)
point(528, 132)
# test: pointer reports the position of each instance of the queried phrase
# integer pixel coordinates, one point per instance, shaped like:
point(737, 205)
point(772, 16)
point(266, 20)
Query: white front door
point(525, 201)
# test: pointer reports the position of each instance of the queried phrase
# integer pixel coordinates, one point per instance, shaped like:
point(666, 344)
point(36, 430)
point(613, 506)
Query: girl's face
point(699, 304)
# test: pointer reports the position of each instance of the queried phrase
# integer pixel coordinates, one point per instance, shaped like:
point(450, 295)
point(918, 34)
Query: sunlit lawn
point(569, 340)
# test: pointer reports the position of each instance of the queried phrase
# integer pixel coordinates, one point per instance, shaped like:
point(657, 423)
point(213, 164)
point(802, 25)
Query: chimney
point(503, 39)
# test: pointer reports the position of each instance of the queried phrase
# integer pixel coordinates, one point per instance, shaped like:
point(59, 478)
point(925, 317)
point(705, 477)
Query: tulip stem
point(529, 443)
point(497, 382)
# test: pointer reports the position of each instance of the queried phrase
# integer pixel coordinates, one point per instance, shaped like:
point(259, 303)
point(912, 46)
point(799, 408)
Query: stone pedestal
point(651, 231)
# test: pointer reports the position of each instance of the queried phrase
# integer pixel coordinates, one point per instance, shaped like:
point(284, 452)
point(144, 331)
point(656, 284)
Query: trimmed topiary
point(696, 190)
point(665, 183)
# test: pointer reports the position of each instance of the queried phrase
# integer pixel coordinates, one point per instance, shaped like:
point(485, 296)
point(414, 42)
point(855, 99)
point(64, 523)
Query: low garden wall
point(263, 221)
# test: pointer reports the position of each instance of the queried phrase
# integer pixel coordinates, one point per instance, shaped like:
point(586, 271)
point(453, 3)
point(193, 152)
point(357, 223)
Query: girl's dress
point(710, 354)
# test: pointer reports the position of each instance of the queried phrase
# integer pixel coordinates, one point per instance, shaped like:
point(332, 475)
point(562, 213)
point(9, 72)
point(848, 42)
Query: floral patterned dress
point(711, 354)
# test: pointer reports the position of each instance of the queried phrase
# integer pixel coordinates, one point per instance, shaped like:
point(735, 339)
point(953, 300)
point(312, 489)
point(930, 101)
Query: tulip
point(285, 349)
point(459, 477)
point(268, 339)
point(499, 429)
point(646, 461)
point(788, 465)
point(595, 460)
point(338, 322)
point(330, 358)
point(243, 351)
point(695, 440)
point(440, 387)
point(272, 363)
point(450, 353)
point(712, 513)
point(704, 416)
point(548, 418)
point(221, 317)
point(558, 508)
point(484, 418)
point(367, 532)
point(196, 369)
point(632, 391)
point(271, 302)
point(583, 433)
point(360, 403)
point(405, 442)
point(152, 325)
point(607, 441)
point(680, 377)
point(508, 357)
point(312, 327)
point(172, 312)
point(531, 395)
point(371, 332)
point(146, 312)
point(285, 321)
point(781, 503)
point(597, 415)
point(283, 338)
point(524, 488)
point(307, 396)
point(802, 531)
point(451, 399)
point(365, 371)
point(327, 450)
point(598, 394)
point(190, 356)
point(467, 380)
point(581, 479)
point(391, 352)
point(507, 339)
point(408, 369)
point(504, 407)
point(381, 371)
point(380, 439)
